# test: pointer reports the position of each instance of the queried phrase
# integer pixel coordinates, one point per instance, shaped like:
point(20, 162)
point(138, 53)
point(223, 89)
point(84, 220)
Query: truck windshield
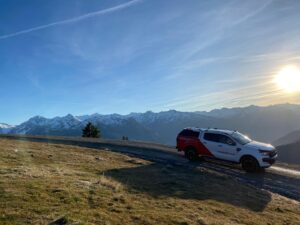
point(240, 138)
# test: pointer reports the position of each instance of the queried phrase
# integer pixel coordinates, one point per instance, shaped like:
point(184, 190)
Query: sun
point(288, 79)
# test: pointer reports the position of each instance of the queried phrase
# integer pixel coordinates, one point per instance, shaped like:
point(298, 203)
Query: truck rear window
point(189, 133)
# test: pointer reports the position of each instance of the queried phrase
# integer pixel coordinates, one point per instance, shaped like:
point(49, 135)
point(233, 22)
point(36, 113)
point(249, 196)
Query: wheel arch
point(245, 156)
point(190, 147)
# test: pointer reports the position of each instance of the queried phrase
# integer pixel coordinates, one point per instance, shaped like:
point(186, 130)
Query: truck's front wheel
point(250, 164)
point(191, 154)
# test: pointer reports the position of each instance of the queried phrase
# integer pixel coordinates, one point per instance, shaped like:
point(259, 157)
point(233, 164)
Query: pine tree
point(90, 131)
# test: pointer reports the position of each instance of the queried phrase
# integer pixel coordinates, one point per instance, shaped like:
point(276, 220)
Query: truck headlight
point(264, 152)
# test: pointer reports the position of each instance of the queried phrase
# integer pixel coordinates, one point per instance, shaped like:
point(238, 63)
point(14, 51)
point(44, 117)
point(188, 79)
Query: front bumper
point(268, 161)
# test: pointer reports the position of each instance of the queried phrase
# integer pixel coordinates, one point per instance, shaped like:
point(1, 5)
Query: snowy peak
point(66, 122)
point(167, 116)
point(39, 123)
point(231, 112)
point(37, 120)
point(5, 126)
point(111, 119)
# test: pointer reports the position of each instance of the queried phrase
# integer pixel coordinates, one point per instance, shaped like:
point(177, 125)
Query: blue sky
point(117, 56)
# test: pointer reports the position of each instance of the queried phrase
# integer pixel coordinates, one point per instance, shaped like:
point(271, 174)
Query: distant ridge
point(288, 139)
point(289, 153)
point(267, 123)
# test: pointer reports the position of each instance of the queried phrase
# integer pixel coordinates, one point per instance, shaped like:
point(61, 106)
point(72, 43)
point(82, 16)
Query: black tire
point(191, 154)
point(250, 164)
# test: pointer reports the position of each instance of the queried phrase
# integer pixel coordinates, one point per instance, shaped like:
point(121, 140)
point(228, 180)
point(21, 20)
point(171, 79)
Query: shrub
point(90, 131)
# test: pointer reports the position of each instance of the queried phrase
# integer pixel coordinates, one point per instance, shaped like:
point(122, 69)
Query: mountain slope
point(68, 126)
point(112, 126)
point(264, 123)
point(289, 153)
point(167, 125)
point(288, 139)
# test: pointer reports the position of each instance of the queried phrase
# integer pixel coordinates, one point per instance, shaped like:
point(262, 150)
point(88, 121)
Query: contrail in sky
point(72, 20)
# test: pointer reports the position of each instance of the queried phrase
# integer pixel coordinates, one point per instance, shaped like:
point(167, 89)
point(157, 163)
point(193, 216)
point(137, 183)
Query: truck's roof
point(214, 130)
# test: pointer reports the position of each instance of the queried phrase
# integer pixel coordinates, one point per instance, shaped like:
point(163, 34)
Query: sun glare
point(288, 79)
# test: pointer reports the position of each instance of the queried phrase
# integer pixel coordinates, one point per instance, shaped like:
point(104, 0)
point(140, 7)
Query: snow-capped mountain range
point(263, 123)
point(5, 128)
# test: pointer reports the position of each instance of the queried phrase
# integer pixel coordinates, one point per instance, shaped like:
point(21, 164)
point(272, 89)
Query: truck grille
point(273, 153)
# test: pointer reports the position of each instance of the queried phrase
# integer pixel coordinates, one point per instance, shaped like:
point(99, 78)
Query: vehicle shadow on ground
point(285, 185)
point(161, 181)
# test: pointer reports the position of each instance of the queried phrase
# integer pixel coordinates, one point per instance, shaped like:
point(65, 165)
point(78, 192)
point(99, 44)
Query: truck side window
point(218, 138)
point(211, 137)
point(225, 140)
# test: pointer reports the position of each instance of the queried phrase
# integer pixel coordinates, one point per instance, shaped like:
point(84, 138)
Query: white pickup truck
point(226, 145)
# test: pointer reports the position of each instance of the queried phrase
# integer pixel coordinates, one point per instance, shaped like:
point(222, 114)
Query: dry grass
point(40, 182)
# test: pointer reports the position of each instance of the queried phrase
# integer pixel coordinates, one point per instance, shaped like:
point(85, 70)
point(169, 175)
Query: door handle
point(204, 142)
point(220, 145)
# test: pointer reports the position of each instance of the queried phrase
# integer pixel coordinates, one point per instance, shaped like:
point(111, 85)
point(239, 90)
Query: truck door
point(220, 145)
point(210, 141)
point(228, 148)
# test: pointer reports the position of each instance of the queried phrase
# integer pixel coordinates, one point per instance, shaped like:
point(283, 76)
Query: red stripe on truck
point(202, 150)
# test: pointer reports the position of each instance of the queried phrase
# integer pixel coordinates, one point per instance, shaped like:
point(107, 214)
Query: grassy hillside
point(42, 182)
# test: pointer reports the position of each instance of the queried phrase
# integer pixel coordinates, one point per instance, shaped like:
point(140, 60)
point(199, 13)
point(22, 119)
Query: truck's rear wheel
point(250, 164)
point(191, 154)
